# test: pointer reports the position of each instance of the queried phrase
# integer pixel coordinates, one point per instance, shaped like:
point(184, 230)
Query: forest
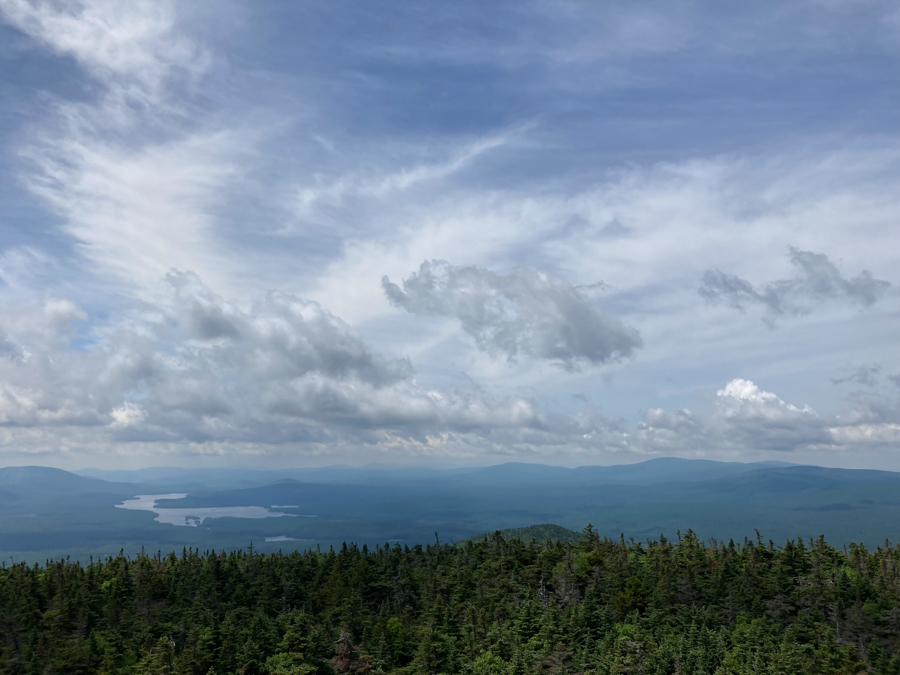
point(494, 606)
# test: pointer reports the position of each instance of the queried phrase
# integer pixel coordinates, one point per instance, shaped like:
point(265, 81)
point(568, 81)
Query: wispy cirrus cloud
point(133, 48)
point(135, 183)
point(315, 201)
point(136, 212)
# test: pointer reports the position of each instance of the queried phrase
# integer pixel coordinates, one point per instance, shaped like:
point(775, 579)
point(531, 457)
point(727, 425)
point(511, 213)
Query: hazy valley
point(50, 513)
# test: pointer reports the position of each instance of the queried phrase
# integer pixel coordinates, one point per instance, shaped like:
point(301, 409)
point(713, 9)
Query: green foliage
point(159, 660)
point(495, 606)
point(490, 664)
point(630, 599)
point(288, 664)
point(539, 533)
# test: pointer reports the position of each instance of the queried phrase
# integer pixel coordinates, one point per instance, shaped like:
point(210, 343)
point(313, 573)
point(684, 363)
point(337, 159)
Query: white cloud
point(745, 398)
point(862, 434)
point(317, 201)
point(135, 176)
point(285, 371)
point(287, 377)
point(142, 167)
point(127, 415)
point(817, 280)
point(745, 421)
point(648, 232)
point(138, 212)
point(526, 312)
point(21, 266)
point(671, 220)
point(132, 46)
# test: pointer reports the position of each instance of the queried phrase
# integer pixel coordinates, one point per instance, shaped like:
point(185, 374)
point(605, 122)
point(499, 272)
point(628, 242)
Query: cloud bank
point(200, 370)
point(201, 375)
point(526, 313)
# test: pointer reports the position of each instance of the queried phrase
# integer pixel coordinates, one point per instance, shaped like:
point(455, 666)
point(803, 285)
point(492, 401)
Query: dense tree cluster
point(491, 607)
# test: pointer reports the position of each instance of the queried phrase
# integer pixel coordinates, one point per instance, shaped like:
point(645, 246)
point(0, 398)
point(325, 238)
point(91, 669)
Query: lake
point(191, 517)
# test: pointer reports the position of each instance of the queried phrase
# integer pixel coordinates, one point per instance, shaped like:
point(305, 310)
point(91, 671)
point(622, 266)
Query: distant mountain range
point(663, 469)
point(53, 513)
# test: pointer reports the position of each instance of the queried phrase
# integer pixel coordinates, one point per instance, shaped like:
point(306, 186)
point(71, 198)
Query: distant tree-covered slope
point(540, 533)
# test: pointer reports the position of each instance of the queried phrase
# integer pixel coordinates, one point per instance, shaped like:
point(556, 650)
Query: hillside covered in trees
point(547, 531)
point(495, 606)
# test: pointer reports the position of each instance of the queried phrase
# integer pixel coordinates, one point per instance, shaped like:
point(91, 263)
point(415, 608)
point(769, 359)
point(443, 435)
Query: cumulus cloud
point(128, 414)
point(199, 369)
point(748, 419)
point(874, 421)
point(881, 434)
point(201, 374)
point(747, 400)
point(817, 280)
point(526, 312)
point(43, 381)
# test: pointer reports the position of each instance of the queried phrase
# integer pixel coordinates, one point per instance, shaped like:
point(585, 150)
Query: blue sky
point(576, 233)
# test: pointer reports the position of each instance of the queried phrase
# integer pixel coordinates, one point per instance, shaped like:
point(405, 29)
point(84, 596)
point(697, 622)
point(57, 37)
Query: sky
point(314, 233)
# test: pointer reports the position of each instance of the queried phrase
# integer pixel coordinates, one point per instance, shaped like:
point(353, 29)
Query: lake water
point(191, 517)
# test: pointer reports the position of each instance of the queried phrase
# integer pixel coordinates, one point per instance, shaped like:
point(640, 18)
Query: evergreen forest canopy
point(489, 606)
